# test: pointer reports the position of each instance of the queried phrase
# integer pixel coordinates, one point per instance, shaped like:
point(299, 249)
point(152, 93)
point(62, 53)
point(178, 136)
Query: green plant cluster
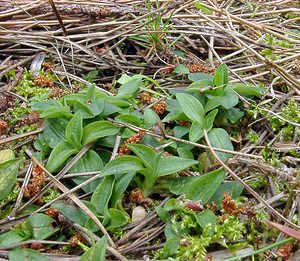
point(274, 43)
point(93, 118)
point(189, 234)
point(26, 87)
point(287, 130)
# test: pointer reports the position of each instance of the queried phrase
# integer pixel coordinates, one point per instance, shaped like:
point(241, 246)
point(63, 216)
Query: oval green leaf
point(171, 164)
point(219, 138)
point(74, 131)
point(8, 176)
point(121, 165)
point(96, 252)
point(61, 152)
point(56, 112)
point(102, 194)
point(40, 226)
point(191, 107)
point(6, 155)
point(196, 132)
point(26, 255)
point(98, 129)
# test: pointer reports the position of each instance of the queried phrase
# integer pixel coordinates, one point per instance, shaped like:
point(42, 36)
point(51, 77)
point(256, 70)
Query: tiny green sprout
point(252, 137)
point(82, 246)
point(11, 74)
point(50, 195)
point(117, 232)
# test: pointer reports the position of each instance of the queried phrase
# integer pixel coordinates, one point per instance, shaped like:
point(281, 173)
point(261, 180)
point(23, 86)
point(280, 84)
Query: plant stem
point(260, 250)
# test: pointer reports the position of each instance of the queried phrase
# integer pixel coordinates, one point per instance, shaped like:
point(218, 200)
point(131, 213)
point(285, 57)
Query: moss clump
point(27, 88)
point(290, 112)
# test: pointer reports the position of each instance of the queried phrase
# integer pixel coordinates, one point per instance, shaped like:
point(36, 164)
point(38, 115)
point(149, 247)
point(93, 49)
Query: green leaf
point(129, 88)
point(205, 218)
point(181, 69)
point(90, 161)
point(196, 132)
point(172, 243)
point(84, 109)
point(91, 92)
point(26, 255)
point(119, 188)
point(209, 120)
point(71, 212)
point(172, 204)
point(200, 76)
point(202, 8)
point(129, 118)
point(121, 103)
point(234, 114)
point(174, 116)
point(56, 112)
point(197, 85)
point(197, 188)
point(212, 103)
point(8, 176)
point(74, 131)
point(72, 99)
point(96, 252)
point(219, 138)
point(150, 118)
point(54, 131)
point(121, 165)
point(191, 107)
point(6, 155)
point(61, 152)
point(185, 153)
point(43, 105)
point(203, 188)
point(221, 77)
point(145, 153)
point(247, 89)
point(233, 188)
point(171, 164)
point(90, 77)
point(97, 107)
point(228, 100)
point(40, 226)
point(180, 131)
point(42, 145)
point(124, 78)
point(162, 213)
point(12, 237)
point(109, 109)
point(102, 194)
point(98, 129)
point(118, 218)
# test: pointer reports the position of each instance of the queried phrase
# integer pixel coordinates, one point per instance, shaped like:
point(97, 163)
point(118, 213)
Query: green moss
point(13, 194)
point(252, 137)
point(11, 74)
point(194, 243)
point(18, 111)
point(258, 182)
point(50, 195)
point(26, 128)
point(26, 87)
point(290, 112)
